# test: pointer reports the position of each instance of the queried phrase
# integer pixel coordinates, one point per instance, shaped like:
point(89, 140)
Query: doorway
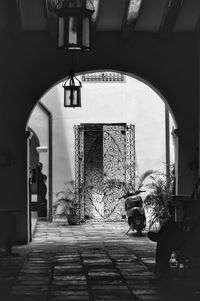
point(104, 169)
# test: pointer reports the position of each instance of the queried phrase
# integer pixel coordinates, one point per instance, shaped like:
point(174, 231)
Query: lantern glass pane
point(61, 27)
point(72, 97)
point(75, 98)
point(67, 101)
point(73, 22)
point(86, 32)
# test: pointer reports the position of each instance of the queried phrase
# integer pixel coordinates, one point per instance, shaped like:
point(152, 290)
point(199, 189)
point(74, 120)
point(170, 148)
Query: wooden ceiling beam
point(170, 16)
point(131, 14)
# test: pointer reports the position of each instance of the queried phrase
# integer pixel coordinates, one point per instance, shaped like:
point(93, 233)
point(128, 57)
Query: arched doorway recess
point(56, 92)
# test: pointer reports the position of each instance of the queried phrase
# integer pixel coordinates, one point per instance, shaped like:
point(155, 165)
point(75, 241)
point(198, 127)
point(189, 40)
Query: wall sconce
point(72, 91)
point(74, 24)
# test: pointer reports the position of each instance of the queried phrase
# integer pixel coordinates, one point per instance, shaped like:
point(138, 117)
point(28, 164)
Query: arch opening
point(114, 105)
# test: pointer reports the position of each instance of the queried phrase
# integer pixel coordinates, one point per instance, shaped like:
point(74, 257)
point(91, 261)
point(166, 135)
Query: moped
point(135, 212)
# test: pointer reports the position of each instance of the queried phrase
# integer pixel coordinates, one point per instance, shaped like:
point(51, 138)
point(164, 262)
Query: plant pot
point(72, 219)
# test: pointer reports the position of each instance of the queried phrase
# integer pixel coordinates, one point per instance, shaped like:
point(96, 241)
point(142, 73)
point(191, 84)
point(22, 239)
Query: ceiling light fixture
point(74, 24)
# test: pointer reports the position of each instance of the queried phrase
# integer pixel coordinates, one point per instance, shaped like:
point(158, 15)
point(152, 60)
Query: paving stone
point(68, 298)
point(160, 297)
point(113, 298)
point(73, 282)
point(106, 282)
point(70, 293)
point(28, 288)
point(27, 298)
point(27, 293)
point(97, 261)
point(103, 274)
point(33, 272)
point(63, 287)
point(69, 266)
point(32, 282)
point(34, 277)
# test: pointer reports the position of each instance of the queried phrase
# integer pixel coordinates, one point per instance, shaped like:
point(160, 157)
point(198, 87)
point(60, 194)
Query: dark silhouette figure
point(180, 236)
point(173, 180)
point(40, 180)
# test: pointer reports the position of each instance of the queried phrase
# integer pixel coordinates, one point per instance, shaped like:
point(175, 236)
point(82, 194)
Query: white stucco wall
point(38, 122)
point(129, 102)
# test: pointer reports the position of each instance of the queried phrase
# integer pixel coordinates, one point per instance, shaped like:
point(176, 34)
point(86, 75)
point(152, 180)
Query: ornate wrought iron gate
point(104, 168)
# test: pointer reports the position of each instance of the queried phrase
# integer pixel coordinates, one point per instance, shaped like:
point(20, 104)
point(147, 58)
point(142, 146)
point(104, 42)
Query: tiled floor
point(94, 262)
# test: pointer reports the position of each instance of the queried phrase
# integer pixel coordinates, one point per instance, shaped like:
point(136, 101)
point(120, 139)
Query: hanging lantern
point(72, 91)
point(74, 24)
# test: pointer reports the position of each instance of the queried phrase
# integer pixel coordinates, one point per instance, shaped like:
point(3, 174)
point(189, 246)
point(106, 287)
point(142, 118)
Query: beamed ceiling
point(120, 16)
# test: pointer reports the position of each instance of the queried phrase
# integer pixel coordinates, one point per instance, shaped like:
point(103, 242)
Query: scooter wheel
point(139, 231)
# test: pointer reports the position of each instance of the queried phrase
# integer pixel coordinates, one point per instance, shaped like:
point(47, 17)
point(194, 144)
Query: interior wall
point(31, 64)
point(39, 124)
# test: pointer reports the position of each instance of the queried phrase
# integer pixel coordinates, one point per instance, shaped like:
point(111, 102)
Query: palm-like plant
point(159, 197)
point(143, 177)
point(66, 204)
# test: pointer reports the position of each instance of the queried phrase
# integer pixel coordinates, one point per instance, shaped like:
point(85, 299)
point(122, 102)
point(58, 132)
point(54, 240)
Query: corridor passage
point(92, 262)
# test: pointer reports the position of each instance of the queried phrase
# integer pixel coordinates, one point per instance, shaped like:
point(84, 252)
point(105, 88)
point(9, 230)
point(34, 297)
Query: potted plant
point(159, 198)
point(66, 204)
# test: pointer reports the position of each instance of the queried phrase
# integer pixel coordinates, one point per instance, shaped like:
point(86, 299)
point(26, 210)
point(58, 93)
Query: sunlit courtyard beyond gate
point(97, 261)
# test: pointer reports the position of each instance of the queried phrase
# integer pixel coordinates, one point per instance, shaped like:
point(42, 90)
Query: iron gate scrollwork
point(79, 171)
point(130, 157)
point(104, 169)
point(114, 168)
